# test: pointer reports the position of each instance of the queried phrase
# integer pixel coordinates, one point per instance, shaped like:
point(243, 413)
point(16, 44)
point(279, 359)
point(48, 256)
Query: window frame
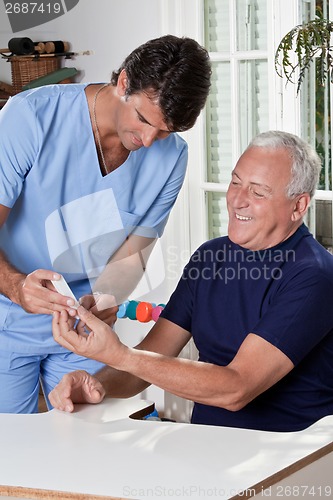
point(284, 110)
point(186, 18)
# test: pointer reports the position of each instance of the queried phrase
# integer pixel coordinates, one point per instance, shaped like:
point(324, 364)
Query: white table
point(99, 452)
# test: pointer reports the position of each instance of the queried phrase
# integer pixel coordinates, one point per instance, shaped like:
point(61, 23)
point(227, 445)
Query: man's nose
point(240, 197)
point(149, 135)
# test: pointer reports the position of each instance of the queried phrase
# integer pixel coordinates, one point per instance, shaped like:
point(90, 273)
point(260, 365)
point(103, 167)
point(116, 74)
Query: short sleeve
point(18, 147)
point(300, 315)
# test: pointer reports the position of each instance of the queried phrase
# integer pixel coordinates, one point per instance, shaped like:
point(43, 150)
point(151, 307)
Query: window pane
point(323, 136)
point(251, 24)
point(253, 100)
point(315, 99)
point(217, 25)
point(323, 209)
point(217, 215)
point(218, 113)
point(237, 108)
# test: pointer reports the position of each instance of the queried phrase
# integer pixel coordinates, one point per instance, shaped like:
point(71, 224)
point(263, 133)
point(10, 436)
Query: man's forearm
point(193, 380)
point(119, 384)
point(10, 279)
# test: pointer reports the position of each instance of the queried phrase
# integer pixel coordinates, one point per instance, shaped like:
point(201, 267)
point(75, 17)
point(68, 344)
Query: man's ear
point(301, 206)
point(122, 83)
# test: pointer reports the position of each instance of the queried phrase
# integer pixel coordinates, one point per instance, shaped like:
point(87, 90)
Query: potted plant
point(310, 41)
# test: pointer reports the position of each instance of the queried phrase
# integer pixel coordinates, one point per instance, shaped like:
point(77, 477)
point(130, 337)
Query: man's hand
point(36, 294)
point(76, 387)
point(101, 305)
point(101, 344)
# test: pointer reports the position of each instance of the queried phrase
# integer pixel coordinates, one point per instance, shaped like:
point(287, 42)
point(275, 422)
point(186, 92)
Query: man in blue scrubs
point(88, 176)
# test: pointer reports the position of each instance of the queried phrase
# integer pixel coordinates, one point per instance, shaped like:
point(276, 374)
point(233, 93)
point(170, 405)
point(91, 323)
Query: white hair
point(306, 163)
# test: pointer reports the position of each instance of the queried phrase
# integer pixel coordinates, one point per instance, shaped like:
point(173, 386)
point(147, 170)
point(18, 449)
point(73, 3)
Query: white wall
point(109, 28)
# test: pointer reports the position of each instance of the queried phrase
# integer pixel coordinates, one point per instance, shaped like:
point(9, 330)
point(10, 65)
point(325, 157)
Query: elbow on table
point(234, 401)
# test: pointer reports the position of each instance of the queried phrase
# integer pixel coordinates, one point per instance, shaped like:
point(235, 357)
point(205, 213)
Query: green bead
point(131, 309)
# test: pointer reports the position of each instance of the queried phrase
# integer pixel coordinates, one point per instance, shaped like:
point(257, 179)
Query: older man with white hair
point(257, 303)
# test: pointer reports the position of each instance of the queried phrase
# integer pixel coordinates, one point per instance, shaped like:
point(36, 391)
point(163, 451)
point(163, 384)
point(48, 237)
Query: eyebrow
point(142, 118)
point(264, 186)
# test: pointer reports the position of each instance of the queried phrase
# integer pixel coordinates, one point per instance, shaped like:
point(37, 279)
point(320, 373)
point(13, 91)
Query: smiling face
point(139, 118)
point(260, 213)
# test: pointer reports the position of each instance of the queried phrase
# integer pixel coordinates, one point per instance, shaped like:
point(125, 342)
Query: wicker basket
point(28, 68)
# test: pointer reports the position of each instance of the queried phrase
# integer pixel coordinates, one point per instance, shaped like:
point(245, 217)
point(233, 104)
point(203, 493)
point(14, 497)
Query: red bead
point(143, 312)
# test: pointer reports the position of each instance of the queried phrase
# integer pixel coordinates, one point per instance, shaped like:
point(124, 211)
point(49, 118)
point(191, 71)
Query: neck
point(98, 140)
point(111, 152)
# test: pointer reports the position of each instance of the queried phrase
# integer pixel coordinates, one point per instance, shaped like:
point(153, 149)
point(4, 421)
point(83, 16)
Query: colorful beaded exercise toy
point(141, 311)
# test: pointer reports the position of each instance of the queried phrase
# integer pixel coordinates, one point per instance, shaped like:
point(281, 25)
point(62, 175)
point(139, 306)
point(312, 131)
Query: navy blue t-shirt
point(284, 295)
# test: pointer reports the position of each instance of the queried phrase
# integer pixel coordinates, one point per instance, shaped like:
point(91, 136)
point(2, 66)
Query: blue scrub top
point(64, 214)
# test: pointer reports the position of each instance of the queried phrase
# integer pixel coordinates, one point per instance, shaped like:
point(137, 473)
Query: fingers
point(101, 343)
point(101, 305)
point(58, 302)
point(63, 293)
point(63, 395)
point(60, 396)
point(81, 328)
point(38, 296)
point(64, 333)
point(44, 274)
point(108, 316)
point(76, 387)
point(87, 301)
point(89, 318)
